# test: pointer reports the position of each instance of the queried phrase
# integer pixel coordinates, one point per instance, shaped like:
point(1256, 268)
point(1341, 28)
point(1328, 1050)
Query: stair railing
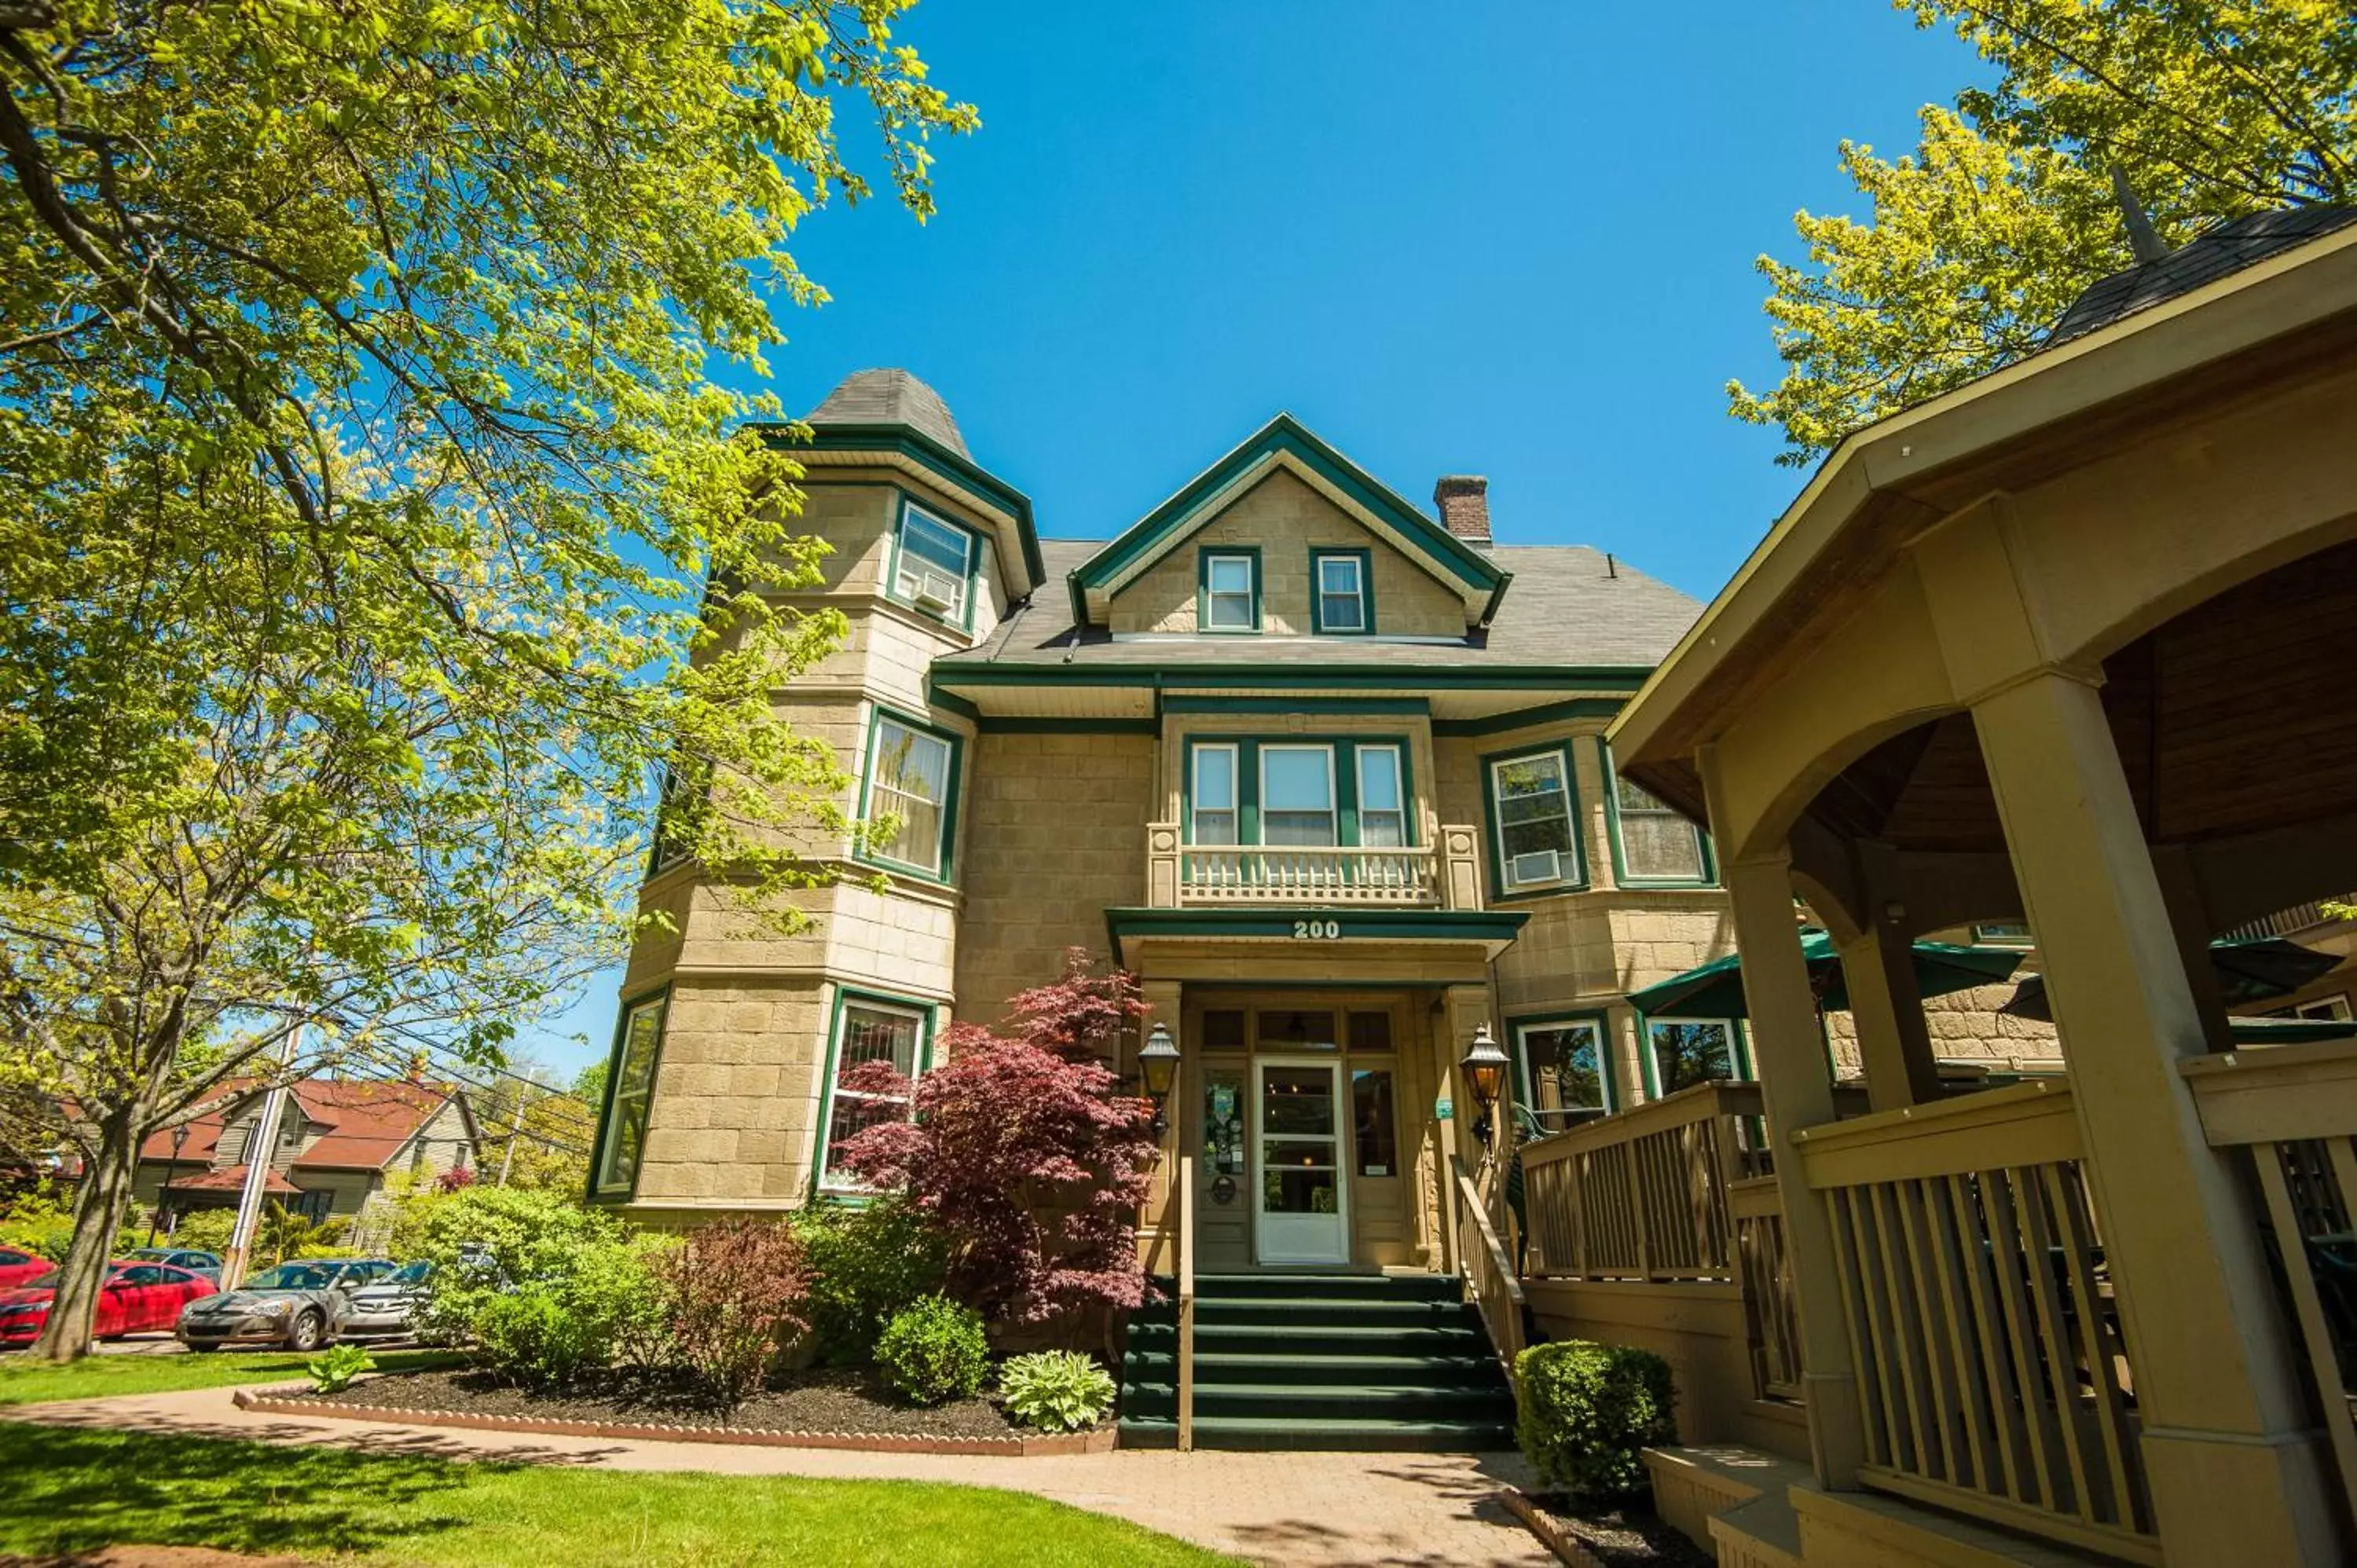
point(1185, 1207)
point(1489, 1269)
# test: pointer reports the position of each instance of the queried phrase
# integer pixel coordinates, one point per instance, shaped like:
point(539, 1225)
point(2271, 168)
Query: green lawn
point(65, 1490)
point(26, 1381)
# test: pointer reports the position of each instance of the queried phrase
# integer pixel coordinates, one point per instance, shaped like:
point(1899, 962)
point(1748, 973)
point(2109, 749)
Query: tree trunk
point(98, 1211)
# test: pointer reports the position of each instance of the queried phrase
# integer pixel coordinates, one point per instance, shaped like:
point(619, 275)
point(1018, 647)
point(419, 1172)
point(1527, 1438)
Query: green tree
point(534, 1134)
point(370, 535)
point(2209, 109)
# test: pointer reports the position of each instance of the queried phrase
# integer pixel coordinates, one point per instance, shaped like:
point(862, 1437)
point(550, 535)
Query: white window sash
point(1269, 809)
point(914, 1018)
point(1356, 592)
point(1387, 756)
point(1568, 863)
point(1239, 597)
point(1197, 811)
point(891, 795)
point(911, 564)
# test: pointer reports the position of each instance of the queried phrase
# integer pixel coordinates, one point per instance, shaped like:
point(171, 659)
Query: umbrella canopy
point(1716, 989)
point(2254, 968)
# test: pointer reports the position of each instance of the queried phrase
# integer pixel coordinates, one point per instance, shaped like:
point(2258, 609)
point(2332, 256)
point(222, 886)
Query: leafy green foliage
point(934, 1351)
point(42, 1222)
point(333, 1370)
point(868, 1261)
point(1587, 1411)
point(1056, 1391)
point(734, 1295)
point(2005, 210)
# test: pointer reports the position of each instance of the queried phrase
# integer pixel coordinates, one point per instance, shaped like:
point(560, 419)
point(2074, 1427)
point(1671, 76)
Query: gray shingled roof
point(891, 397)
point(1565, 606)
point(2228, 248)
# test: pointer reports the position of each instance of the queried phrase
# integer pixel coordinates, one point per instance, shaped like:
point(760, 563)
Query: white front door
point(1296, 1118)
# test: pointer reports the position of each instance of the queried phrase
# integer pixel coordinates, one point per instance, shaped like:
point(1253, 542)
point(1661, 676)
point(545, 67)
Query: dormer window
point(1343, 601)
point(933, 565)
point(1230, 586)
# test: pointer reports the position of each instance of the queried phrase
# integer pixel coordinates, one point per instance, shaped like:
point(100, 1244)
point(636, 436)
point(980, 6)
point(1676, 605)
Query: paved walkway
point(1292, 1508)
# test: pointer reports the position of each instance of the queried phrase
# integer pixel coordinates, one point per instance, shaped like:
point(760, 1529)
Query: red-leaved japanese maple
point(1083, 1016)
point(1025, 1155)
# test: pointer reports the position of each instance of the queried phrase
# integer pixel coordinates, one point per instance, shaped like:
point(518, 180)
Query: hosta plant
point(332, 1371)
point(1056, 1391)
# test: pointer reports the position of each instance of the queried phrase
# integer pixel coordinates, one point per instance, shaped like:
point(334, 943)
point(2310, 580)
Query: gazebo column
point(1894, 1042)
point(1798, 1092)
point(2236, 1474)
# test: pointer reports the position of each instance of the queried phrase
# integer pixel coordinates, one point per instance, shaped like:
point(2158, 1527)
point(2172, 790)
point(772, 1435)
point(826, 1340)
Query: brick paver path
point(1306, 1509)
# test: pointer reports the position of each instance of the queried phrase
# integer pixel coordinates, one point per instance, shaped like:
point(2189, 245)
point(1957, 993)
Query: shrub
point(867, 1264)
point(733, 1296)
point(1056, 1391)
point(205, 1230)
point(333, 1371)
point(1586, 1412)
point(42, 1223)
point(934, 1351)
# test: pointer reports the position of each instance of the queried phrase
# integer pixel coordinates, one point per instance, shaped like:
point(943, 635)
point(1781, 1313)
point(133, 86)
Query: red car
point(17, 1268)
point(139, 1298)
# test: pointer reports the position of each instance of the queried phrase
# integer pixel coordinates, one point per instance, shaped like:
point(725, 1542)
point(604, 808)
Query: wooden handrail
point(1720, 1096)
point(1186, 1300)
point(1489, 1269)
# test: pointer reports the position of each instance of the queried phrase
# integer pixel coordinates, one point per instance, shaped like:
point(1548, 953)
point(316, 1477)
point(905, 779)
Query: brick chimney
point(1464, 503)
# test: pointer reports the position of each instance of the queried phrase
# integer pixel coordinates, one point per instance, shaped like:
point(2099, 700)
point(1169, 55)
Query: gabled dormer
point(1286, 537)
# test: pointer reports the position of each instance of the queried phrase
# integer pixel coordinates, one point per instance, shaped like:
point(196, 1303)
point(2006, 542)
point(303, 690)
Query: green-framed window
point(2004, 934)
point(629, 1093)
point(1652, 845)
point(1227, 589)
point(1532, 797)
point(1564, 1064)
point(1342, 593)
point(1299, 791)
point(936, 564)
point(866, 1026)
point(1682, 1052)
point(911, 773)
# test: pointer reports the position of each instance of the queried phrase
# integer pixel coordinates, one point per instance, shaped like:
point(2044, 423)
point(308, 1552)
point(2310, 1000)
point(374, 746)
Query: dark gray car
point(295, 1305)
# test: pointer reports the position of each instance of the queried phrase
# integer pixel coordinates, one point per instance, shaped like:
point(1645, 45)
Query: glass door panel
point(1302, 1217)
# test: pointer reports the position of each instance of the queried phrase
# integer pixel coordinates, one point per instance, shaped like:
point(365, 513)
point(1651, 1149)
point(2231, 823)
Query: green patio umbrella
point(2249, 969)
point(1715, 989)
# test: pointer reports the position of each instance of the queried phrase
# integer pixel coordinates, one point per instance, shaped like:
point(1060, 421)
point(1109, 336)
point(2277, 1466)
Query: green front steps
point(1357, 1361)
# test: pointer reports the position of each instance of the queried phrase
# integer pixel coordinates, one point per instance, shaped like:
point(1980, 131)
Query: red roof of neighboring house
point(367, 1124)
point(232, 1178)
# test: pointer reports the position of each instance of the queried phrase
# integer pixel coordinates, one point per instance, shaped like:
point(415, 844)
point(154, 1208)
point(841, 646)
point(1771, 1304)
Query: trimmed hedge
point(1587, 1411)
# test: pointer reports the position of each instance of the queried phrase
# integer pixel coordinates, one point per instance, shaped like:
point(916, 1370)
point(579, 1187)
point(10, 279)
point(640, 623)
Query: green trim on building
point(1615, 1097)
point(973, 561)
point(1621, 878)
point(1343, 749)
point(946, 876)
point(843, 996)
point(969, 670)
point(1319, 555)
point(661, 995)
point(1068, 726)
point(1526, 718)
point(1369, 925)
point(1578, 881)
point(929, 454)
point(1380, 707)
point(1739, 1047)
point(1204, 558)
point(953, 702)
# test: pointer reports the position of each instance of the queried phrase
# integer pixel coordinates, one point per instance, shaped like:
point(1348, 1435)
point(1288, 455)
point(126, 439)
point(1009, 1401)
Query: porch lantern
point(1484, 1066)
point(1158, 1066)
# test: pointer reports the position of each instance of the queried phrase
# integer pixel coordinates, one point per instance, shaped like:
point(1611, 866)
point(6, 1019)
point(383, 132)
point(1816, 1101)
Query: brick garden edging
point(1099, 1441)
point(1562, 1542)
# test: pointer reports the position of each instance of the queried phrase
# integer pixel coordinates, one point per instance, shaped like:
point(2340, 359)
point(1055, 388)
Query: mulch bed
point(825, 1407)
point(1586, 1537)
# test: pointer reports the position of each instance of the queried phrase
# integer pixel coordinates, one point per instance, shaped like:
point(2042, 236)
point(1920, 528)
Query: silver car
point(293, 1304)
point(387, 1309)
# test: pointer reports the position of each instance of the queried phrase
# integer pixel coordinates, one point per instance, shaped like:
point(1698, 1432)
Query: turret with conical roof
point(890, 397)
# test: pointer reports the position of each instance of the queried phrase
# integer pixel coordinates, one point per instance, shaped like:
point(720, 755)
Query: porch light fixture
point(1484, 1066)
point(1158, 1066)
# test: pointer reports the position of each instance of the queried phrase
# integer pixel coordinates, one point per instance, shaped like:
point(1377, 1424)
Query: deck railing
point(1772, 1316)
point(2294, 1109)
point(1643, 1195)
point(1992, 1375)
point(1439, 875)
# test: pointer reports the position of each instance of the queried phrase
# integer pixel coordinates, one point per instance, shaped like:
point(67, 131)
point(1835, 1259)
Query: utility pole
point(264, 1137)
point(515, 1131)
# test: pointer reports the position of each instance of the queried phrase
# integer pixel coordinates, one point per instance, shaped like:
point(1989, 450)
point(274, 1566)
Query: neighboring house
point(1326, 770)
point(339, 1141)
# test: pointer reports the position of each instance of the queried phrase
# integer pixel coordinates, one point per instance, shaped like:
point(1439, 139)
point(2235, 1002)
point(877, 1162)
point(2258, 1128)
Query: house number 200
point(1317, 930)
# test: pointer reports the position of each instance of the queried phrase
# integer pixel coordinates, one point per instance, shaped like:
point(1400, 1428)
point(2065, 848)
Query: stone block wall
point(734, 1113)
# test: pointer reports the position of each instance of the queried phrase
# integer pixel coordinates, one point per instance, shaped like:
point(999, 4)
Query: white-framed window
point(634, 1082)
point(1342, 593)
point(1231, 591)
point(1656, 844)
point(2334, 1007)
point(1687, 1051)
point(909, 776)
point(2002, 934)
point(1211, 795)
point(1531, 797)
point(1296, 795)
point(1564, 1078)
point(868, 1029)
point(935, 566)
point(1383, 801)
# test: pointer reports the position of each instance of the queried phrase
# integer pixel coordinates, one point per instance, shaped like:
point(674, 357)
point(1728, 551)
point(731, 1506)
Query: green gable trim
point(952, 702)
point(1171, 520)
point(1203, 557)
point(1525, 718)
point(1319, 555)
point(1389, 707)
point(1369, 925)
point(658, 994)
point(1588, 680)
point(926, 452)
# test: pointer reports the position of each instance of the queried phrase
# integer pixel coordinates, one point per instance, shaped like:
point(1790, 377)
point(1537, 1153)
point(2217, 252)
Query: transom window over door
point(870, 1031)
point(1341, 590)
point(1231, 591)
point(936, 562)
point(910, 778)
point(1297, 794)
point(1532, 797)
point(1213, 794)
point(1382, 804)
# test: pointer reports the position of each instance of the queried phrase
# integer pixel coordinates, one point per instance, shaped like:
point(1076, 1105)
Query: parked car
point(389, 1308)
point(18, 1266)
point(206, 1264)
point(293, 1304)
point(137, 1298)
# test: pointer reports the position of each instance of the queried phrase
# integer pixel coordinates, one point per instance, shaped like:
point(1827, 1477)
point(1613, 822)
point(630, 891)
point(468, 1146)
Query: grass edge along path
point(26, 1381)
point(74, 1489)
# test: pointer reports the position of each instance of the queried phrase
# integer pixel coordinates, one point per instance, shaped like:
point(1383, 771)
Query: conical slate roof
point(891, 397)
point(2228, 247)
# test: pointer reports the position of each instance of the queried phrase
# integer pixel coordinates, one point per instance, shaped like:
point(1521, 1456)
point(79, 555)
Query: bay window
point(639, 1044)
point(868, 1029)
point(1532, 822)
point(911, 776)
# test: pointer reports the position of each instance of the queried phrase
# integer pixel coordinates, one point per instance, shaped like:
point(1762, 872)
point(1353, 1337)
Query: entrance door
point(1296, 1112)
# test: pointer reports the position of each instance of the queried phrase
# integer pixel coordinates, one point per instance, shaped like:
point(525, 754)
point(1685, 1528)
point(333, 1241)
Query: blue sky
point(1508, 240)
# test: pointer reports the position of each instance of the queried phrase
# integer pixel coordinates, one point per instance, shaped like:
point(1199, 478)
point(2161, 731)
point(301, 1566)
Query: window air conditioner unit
point(938, 590)
point(1539, 865)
